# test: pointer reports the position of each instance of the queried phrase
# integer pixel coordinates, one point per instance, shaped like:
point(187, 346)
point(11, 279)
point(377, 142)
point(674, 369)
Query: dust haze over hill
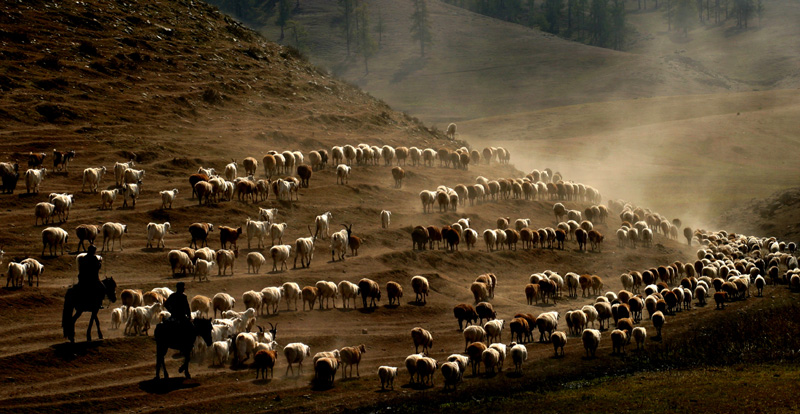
point(627, 119)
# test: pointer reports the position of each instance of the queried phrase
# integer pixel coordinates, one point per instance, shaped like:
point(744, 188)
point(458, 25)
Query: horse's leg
point(187, 353)
point(74, 321)
point(97, 322)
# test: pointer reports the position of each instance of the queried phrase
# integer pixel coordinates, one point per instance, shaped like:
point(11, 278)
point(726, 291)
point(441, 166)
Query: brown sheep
point(452, 238)
point(444, 156)
point(35, 160)
point(581, 236)
point(520, 327)
point(532, 293)
point(465, 312)
point(309, 294)
point(250, 166)
point(401, 153)
point(512, 237)
point(354, 242)
point(304, 172)
point(204, 190)
point(152, 297)
point(201, 303)
point(688, 233)
point(264, 360)
point(269, 165)
point(351, 355)
point(586, 283)
point(398, 174)
point(394, 291)
point(720, 298)
point(86, 232)
point(435, 236)
point(485, 311)
point(369, 289)
point(561, 236)
point(419, 238)
point(597, 284)
point(196, 178)
point(595, 239)
point(131, 297)
point(229, 235)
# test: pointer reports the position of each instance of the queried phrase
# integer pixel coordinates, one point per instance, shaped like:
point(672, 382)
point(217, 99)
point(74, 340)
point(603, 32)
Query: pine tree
point(347, 9)
point(420, 27)
point(366, 46)
point(284, 14)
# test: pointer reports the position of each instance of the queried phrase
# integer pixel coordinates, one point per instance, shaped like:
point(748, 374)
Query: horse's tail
point(66, 315)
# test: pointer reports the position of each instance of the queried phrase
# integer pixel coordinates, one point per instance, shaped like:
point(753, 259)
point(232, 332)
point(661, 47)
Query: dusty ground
point(43, 374)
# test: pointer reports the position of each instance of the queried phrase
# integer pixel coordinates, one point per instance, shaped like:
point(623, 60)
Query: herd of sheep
point(727, 263)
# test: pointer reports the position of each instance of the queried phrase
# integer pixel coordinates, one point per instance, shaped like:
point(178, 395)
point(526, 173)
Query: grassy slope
point(480, 66)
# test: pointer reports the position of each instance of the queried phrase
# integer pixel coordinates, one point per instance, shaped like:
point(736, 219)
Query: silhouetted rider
point(178, 305)
point(89, 272)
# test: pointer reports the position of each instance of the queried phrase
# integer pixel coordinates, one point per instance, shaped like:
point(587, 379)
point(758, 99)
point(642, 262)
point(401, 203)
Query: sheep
point(426, 367)
point(387, 375)
point(591, 340)
point(427, 198)
point(204, 191)
point(92, 176)
point(326, 291)
point(280, 254)
point(309, 294)
point(247, 342)
point(351, 355)
point(595, 239)
point(267, 214)
point(658, 322)
point(451, 131)
point(490, 358)
point(420, 286)
point(107, 198)
point(155, 231)
point(16, 274)
point(167, 197)
point(639, 334)
point(322, 224)
point(222, 302)
point(348, 290)
point(43, 211)
point(254, 262)
point(394, 292)
point(54, 237)
point(290, 291)
point(140, 318)
point(369, 289)
point(451, 372)
point(117, 315)
point(131, 176)
point(342, 174)
point(199, 303)
point(61, 159)
point(179, 259)
point(465, 312)
point(269, 298)
point(519, 354)
point(421, 337)
point(131, 191)
point(33, 178)
point(472, 334)
point(386, 218)
point(559, 340)
point(411, 365)
point(296, 353)
point(398, 174)
point(276, 231)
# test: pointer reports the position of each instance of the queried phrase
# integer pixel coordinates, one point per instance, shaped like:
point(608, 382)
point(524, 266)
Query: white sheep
point(257, 229)
point(119, 170)
point(155, 231)
point(342, 174)
point(32, 268)
point(222, 302)
point(141, 317)
point(201, 268)
point(132, 176)
point(117, 316)
point(271, 298)
point(254, 262)
point(167, 197)
point(231, 171)
point(519, 354)
point(33, 178)
point(322, 224)
point(421, 337)
point(179, 260)
point(490, 358)
point(387, 375)
point(490, 239)
point(222, 351)
point(304, 249)
point(494, 329)
point(348, 290)
point(43, 211)
point(226, 258)
point(386, 218)
point(291, 292)
point(16, 274)
point(639, 334)
point(425, 369)
point(280, 254)
point(276, 231)
point(92, 176)
point(591, 340)
point(339, 242)
point(107, 198)
point(54, 237)
point(472, 334)
point(420, 286)
point(131, 191)
point(267, 214)
point(296, 353)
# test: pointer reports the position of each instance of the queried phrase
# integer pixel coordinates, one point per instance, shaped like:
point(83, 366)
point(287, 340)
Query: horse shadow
point(165, 386)
point(67, 351)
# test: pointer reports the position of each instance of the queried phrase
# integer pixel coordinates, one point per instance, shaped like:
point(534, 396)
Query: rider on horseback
point(89, 272)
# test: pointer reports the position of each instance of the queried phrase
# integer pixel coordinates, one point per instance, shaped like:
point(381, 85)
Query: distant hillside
point(479, 66)
point(74, 72)
point(777, 215)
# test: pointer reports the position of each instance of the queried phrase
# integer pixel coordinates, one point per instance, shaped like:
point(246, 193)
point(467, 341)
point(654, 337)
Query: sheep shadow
point(393, 306)
point(385, 390)
point(368, 310)
point(165, 386)
point(318, 385)
point(415, 303)
point(513, 375)
point(262, 381)
point(417, 386)
point(588, 358)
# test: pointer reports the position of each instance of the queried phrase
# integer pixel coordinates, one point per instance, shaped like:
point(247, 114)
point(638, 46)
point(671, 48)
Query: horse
point(80, 300)
point(180, 336)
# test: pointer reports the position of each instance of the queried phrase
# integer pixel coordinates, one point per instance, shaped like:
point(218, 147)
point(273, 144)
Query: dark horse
point(181, 336)
point(80, 300)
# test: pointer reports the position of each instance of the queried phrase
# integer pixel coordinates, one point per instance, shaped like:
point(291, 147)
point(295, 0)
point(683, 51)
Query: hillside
point(479, 67)
point(688, 156)
point(122, 72)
